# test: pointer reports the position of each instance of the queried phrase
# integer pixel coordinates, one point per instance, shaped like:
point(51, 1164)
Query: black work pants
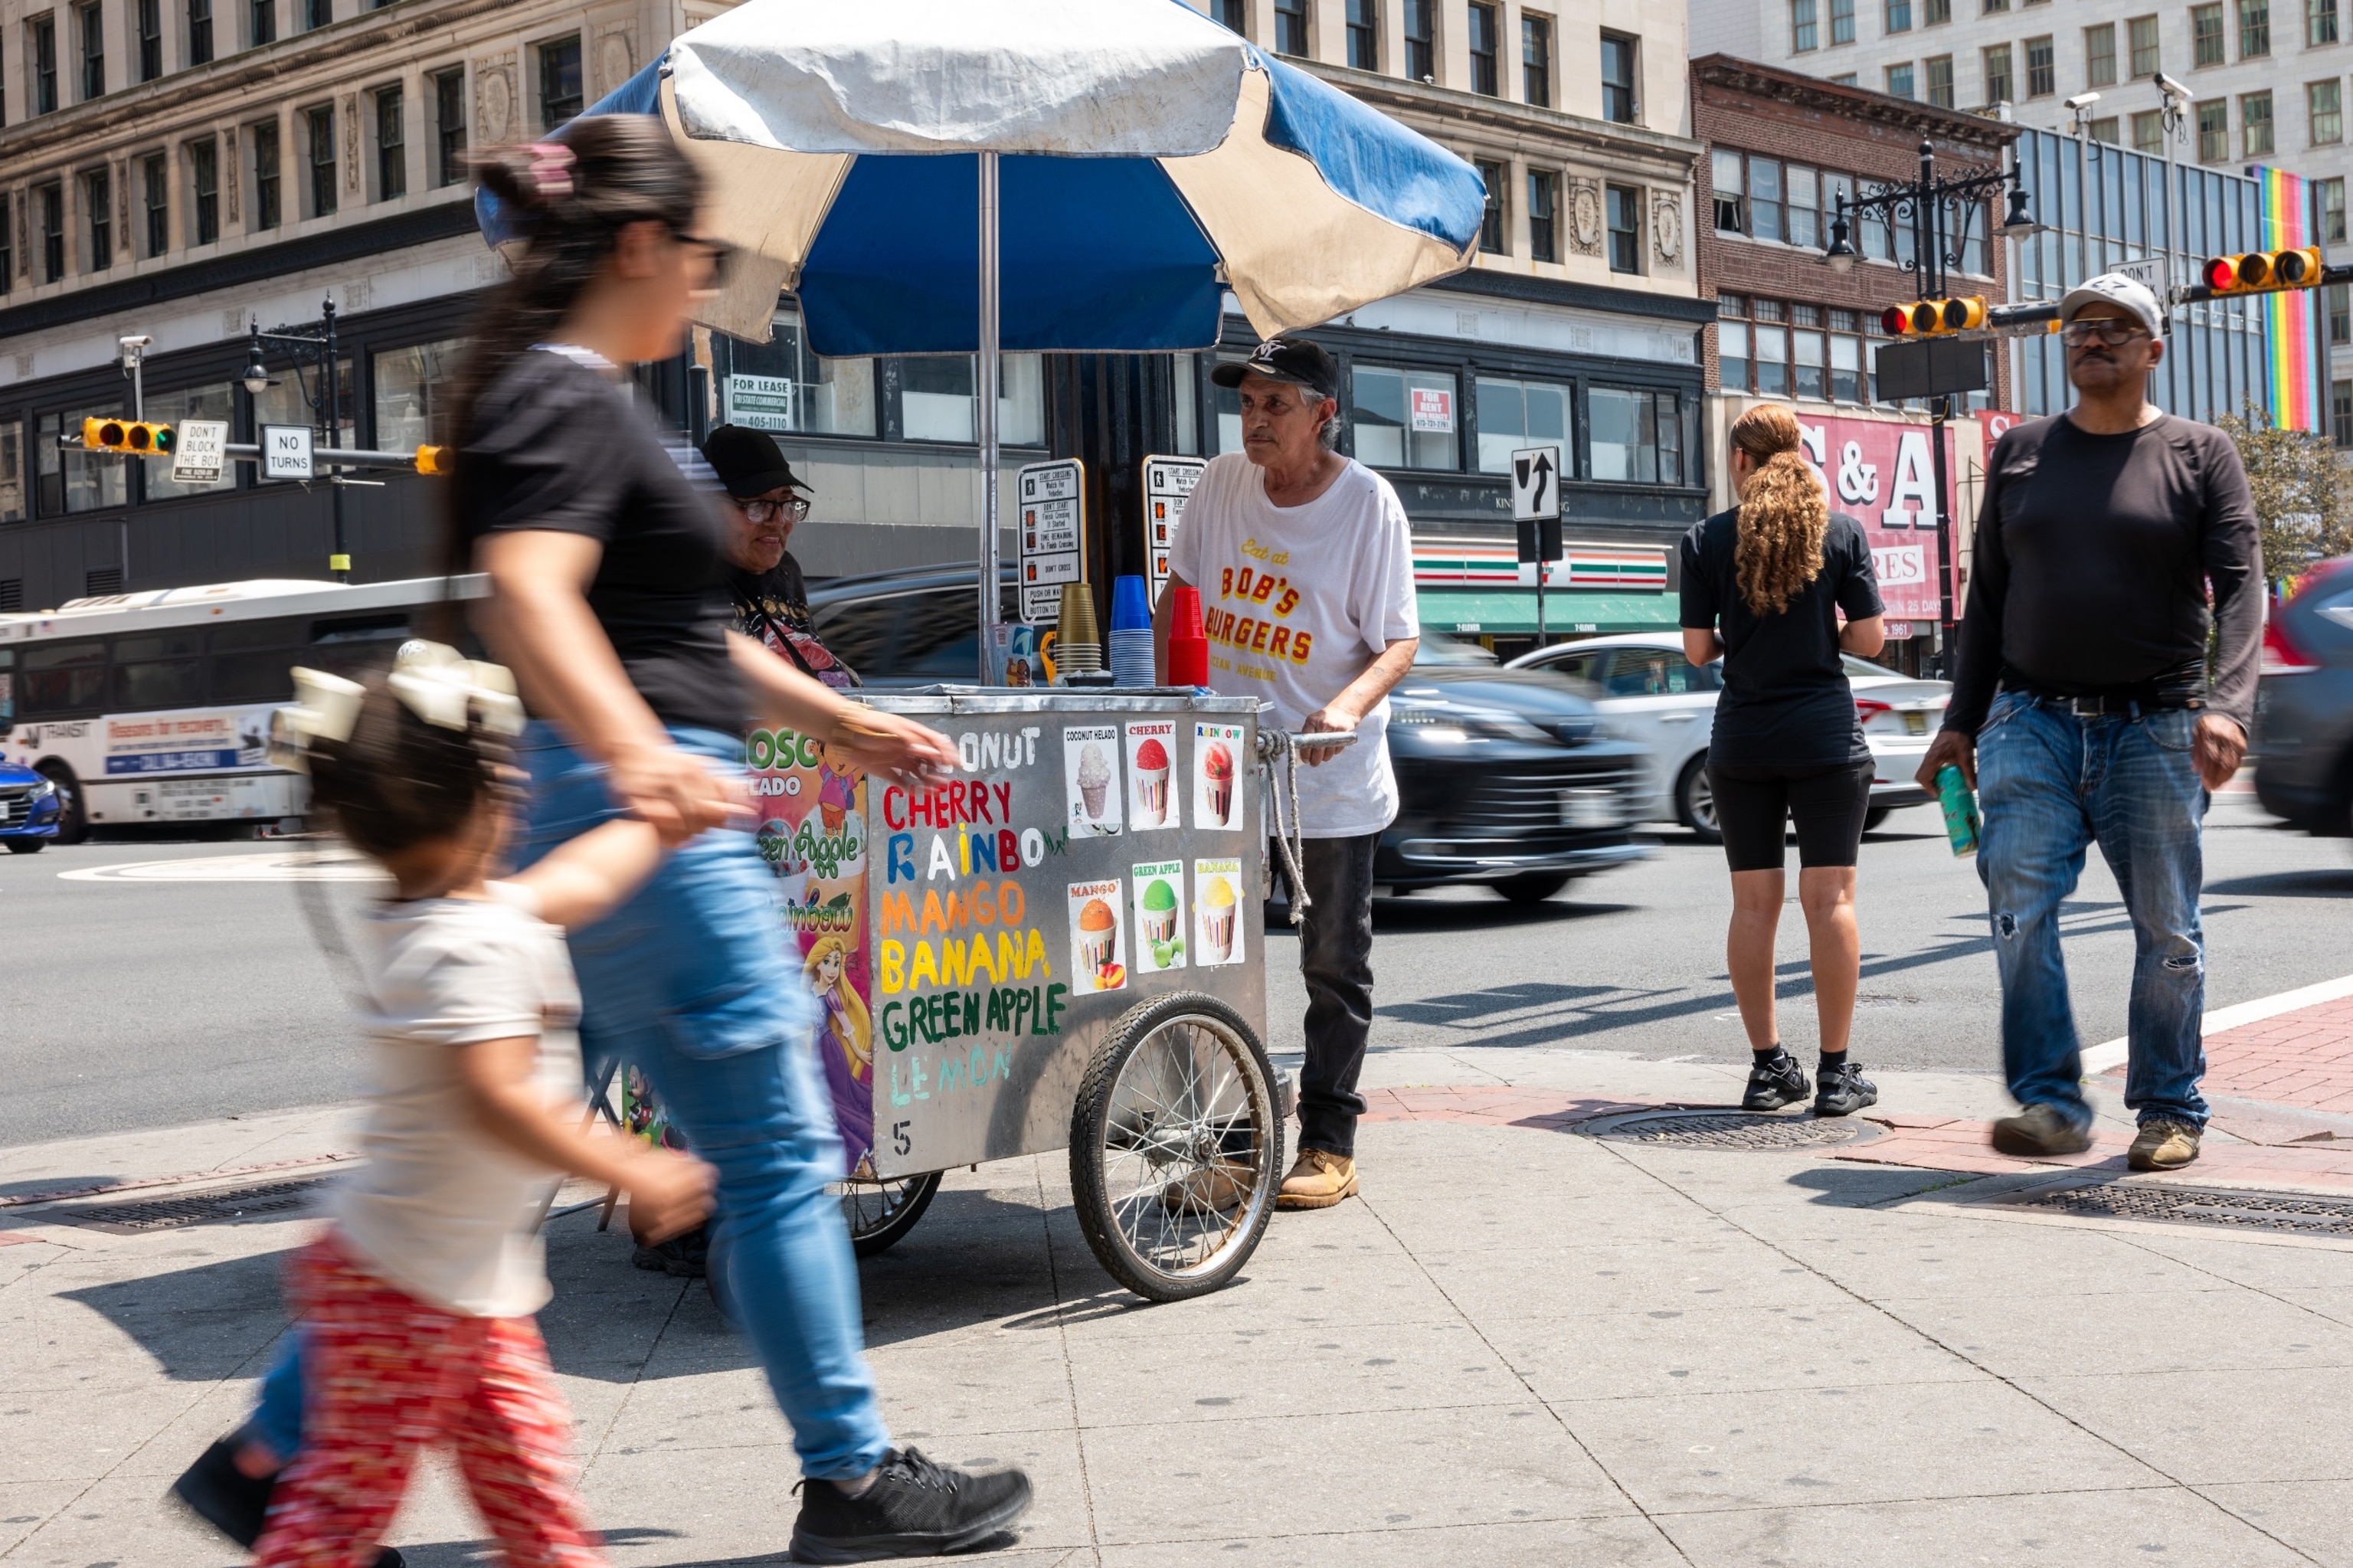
point(1336, 959)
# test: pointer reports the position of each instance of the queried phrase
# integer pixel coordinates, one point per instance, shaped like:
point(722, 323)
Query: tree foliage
point(2302, 494)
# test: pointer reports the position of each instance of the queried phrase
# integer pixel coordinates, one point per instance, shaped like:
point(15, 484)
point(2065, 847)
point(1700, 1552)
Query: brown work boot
point(1319, 1180)
point(2163, 1144)
point(2039, 1131)
point(1219, 1188)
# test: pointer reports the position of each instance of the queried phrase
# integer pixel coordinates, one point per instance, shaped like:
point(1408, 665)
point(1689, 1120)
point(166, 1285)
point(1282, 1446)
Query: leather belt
point(2107, 706)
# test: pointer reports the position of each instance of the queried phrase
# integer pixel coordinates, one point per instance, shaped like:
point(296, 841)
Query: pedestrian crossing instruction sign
point(1053, 535)
point(1169, 483)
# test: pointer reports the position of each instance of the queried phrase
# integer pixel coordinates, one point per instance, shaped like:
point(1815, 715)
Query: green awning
point(1474, 612)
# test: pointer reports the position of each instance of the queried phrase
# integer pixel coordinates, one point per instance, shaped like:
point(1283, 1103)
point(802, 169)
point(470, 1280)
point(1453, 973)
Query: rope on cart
point(1283, 746)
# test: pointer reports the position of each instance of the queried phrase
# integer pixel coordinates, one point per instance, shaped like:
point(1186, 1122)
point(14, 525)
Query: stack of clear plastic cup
point(1131, 632)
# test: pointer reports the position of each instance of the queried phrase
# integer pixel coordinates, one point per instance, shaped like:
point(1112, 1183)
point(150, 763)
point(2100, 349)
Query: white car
point(1650, 694)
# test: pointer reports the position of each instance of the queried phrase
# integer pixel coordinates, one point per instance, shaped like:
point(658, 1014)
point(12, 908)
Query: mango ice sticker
point(1098, 936)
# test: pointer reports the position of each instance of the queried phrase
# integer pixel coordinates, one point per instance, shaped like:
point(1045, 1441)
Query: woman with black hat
point(763, 502)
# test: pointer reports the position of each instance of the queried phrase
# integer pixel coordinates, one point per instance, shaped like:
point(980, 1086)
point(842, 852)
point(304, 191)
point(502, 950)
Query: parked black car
point(2303, 749)
point(1505, 777)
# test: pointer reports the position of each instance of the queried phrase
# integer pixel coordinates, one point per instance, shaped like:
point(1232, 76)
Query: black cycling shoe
point(914, 1508)
point(685, 1255)
point(1776, 1083)
point(236, 1504)
point(1844, 1091)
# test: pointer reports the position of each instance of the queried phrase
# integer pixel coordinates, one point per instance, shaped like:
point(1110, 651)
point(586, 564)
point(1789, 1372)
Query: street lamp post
point(326, 404)
point(1940, 214)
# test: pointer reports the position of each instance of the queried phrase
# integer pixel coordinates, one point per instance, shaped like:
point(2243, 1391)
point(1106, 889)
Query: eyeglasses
point(767, 511)
point(722, 254)
point(2115, 333)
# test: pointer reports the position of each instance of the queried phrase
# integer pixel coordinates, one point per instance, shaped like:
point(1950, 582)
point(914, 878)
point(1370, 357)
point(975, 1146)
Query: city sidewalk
point(1525, 1344)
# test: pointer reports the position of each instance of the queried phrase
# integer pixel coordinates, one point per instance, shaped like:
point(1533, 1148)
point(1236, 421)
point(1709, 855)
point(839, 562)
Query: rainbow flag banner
point(2286, 225)
point(1476, 563)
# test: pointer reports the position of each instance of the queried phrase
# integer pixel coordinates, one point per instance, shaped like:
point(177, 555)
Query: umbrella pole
point(985, 377)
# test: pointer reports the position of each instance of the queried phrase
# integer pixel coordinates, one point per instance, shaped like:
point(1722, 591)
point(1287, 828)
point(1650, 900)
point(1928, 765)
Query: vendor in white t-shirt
point(1305, 563)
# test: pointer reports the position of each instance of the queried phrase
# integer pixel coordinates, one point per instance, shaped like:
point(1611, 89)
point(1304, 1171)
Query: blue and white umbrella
point(968, 176)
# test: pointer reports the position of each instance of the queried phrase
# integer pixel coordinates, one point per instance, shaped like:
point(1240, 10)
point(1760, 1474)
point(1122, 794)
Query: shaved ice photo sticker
point(1151, 759)
point(1098, 936)
point(1217, 912)
point(1217, 770)
point(1091, 771)
point(1159, 916)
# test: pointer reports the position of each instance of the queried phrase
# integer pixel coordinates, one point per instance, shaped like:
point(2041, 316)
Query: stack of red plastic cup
point(1188, 646)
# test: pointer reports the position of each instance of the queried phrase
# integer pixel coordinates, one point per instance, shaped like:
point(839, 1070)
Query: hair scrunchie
point(551, 169)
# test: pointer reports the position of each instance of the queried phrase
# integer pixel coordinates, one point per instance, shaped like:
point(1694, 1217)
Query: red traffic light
point(1895, 321)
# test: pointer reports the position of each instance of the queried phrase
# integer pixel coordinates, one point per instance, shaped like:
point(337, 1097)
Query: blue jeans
point(690, 981)
point(2049, 785)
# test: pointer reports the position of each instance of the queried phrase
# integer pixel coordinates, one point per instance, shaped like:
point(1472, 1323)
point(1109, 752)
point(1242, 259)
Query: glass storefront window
point(1404, 418)
point(214, 402)
point(936, 403)
point(12, 472)
point(1636, 436)
point(780, 386)
point(409, 386)
point(75, 480)
point(1230, 411)
point(1514, 414)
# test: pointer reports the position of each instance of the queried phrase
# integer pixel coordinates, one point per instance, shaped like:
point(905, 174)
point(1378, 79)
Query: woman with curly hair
point(1764, 585)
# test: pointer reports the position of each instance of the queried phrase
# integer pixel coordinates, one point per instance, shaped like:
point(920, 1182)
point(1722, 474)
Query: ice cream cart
point(1056, 947)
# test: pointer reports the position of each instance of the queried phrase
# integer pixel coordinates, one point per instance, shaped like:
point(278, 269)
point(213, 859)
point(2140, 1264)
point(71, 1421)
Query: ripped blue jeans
point(2049, 785)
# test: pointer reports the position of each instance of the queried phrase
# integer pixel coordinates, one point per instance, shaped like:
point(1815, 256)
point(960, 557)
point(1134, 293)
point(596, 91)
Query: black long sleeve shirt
point(2094, 556)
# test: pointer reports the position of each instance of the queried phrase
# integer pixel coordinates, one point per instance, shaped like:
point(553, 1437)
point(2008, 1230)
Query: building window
point(204, 186)
point(1940, 81)
point(1535, 59)
point(1234, 14)
point(1420, 41)
point(151, 39)
point(1732, 355)
point(1404, 418)
point(1997, 85)
point(1483, 77)
point(319, 127)
point(1801, 190)
point(450, 126)
point(42, 33)
point(1764, 199)
point(1291, 27)
point(2319, 22)
point(1842, 21)
point(1625, 224)
point(200, 32)
point(1899, 15)
point(2214, 131)
point(1804, 30)
point(317, 13)
point(2142, 36)
point(7, 280)
point(2324, 101)
point(2041, 68)
point(155, 175)
point(264, 137)
point(2206, 35)
point(2100, 55)
point(2104, 130)
point(1543, 219)
point(391, 144)
point(1724, 175)
point(1491, 221)
point(91, 21)
point(2340, 410)
point(1636, 436)
point(2328, 196)
point(559, 81)
point(2339, 298)
point(261, 20)
point(1618, 103)
point(1935, 12)
point(1843, 78)
point(51, 199)
point(409, 385)
point(798, 391)
point(1364, 35)
point(1846, 359)
point(98, 202)
point(1899, 80)
point(2254, 29)
point(1810, 355)
point(1991, 6)
point(2149, 132)
point(1514, 414)
point(2255, 122)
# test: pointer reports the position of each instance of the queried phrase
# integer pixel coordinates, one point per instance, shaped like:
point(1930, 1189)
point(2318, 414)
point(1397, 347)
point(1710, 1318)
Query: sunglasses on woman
point(768, 511)
point(2076, 335)
point(722, 254)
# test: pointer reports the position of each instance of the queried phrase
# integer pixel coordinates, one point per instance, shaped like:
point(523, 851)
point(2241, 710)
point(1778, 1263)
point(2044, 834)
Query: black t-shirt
point(772, 608)
point(1785, 699)
point(561, 446)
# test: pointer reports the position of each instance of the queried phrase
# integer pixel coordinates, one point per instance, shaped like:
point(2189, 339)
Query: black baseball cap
point(1291, 359)
point(747, 461)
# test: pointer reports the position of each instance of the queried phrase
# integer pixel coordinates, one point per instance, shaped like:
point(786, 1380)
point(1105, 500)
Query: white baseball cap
point(2115, 289)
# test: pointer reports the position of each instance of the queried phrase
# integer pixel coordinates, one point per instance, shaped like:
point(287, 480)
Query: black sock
point(1831, 1062)
point(1771, 1056)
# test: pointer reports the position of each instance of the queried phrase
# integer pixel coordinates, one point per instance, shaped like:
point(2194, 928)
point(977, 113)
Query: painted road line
point(273, 865)
point(2102, 1058)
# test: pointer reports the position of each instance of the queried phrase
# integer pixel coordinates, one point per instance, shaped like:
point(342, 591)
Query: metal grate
point(1733, 1130)
point(2292, 1212)
point(198, 1208)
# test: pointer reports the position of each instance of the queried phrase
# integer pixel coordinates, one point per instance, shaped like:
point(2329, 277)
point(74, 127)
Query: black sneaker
point(1776, 1083)
point(686, 1254)
point(236, 1504)
point(914, 1508)
point(1844, 1090)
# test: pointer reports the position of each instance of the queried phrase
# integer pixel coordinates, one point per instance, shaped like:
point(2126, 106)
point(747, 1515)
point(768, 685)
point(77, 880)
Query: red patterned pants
point(389, 1375)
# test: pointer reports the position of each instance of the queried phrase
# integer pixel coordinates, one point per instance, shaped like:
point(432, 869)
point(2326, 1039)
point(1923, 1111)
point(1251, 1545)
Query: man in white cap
point(2087, 710)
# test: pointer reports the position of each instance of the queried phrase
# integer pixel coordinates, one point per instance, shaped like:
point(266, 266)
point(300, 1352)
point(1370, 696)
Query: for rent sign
point(1881, 472)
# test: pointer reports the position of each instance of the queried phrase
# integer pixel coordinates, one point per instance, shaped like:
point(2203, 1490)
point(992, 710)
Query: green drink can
point(1960, 804)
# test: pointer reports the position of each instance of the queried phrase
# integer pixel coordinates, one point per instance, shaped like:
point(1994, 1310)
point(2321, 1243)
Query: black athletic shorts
point(1754, 805)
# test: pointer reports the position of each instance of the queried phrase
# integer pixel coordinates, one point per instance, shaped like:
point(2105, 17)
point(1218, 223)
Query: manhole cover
point(197, 1208)
point(2291, 1213)
point(1733, 1130)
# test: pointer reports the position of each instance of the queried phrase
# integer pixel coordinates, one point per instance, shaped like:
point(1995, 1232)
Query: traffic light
point(1934, 318)
point(435, 459)
point(2263, 272)
point(135, 439)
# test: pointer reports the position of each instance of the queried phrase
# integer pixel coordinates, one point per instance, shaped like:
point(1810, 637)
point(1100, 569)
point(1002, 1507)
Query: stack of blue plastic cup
point(1131, 632)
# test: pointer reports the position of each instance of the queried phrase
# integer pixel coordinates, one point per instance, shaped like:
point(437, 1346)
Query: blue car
point(29, 811)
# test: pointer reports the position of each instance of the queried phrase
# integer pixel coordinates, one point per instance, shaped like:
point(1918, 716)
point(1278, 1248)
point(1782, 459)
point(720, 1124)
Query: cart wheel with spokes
point(1177, 1147)
point(880, 1211)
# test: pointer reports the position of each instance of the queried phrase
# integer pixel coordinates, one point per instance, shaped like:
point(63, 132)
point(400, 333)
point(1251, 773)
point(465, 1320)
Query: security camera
point(2172, 89)
point(2082, 101)
point(137, 341)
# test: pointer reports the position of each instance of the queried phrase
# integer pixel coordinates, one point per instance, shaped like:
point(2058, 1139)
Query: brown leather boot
point(1319, 1180)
